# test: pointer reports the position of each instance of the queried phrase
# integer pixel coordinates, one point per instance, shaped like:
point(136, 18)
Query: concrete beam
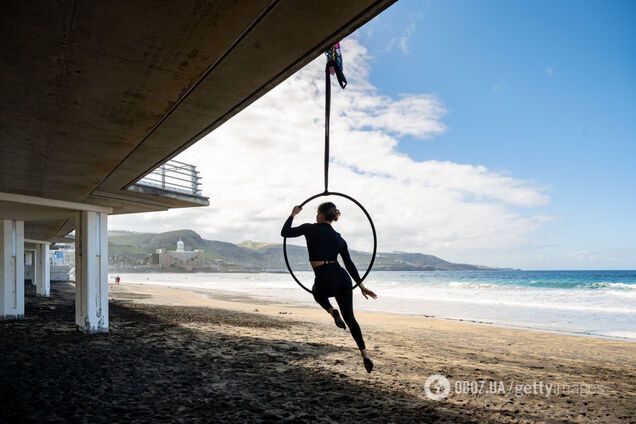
point(11, 269)
point(33, 241)
point(45, 219)
point(51, 203)
point(91, 272)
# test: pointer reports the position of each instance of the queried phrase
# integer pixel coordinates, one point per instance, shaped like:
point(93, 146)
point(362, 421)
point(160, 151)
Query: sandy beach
point(179, 355)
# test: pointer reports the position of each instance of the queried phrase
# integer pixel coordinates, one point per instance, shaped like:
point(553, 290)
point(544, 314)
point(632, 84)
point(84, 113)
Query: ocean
point(594, 303)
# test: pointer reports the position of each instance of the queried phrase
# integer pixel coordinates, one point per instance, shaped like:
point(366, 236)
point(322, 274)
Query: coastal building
point(97, 98)
point(186, 260)
point(59, 266)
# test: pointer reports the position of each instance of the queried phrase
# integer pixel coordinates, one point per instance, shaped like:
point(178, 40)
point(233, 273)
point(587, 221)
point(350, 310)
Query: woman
point(324, 244)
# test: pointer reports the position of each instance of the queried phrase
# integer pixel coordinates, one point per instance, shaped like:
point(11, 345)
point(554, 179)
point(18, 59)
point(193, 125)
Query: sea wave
point(543, 306)
point(620, 334)
point(590, 304)
point(472, 285)
point(609, 285)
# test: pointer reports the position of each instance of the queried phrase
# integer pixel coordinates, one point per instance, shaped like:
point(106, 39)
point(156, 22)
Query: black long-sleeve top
point(323, 243)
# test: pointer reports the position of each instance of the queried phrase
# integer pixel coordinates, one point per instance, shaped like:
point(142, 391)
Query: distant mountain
point(127, 248)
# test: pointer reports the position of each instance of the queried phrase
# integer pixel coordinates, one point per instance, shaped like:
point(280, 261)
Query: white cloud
point(270, 157)
point(606, 256)
point(402, 42)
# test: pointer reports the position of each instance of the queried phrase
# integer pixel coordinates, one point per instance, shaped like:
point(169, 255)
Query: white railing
point(174, 176)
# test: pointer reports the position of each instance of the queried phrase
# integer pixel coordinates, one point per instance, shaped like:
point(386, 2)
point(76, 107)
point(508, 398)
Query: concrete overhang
point(45, 216)
point(95, 95)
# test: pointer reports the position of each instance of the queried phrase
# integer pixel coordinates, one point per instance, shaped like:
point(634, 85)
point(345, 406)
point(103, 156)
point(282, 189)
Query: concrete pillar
point(11, 269)
point(33, 257)
point(43, 270)
point(91, 271)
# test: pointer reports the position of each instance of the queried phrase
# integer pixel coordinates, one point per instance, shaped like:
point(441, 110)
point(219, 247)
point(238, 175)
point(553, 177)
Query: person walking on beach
point(324, 244)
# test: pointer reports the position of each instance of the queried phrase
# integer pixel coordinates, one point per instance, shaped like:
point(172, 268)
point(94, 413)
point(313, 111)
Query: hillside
point(128, 248)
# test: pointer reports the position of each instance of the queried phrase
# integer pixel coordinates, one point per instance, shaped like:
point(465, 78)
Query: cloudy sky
point(464, 131)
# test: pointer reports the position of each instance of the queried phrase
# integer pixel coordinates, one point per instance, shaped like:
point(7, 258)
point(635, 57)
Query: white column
point(43, 281)
point(33, 256)
point(11, 269)
point(91, 271)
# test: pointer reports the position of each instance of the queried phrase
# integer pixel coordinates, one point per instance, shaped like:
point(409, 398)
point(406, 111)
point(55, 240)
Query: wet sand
point(176, 355)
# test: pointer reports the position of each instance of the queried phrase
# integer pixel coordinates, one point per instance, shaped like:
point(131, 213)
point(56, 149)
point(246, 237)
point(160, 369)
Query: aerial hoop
point(334, 64)
point(375, 238)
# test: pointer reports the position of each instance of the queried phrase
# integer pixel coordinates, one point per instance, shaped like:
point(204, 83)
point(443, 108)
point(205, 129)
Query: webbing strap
point(343, 83)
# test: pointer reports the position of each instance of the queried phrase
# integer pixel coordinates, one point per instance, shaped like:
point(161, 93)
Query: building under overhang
point(98, 97)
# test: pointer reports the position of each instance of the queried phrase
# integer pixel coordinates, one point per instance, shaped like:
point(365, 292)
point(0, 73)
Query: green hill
point(129, 248)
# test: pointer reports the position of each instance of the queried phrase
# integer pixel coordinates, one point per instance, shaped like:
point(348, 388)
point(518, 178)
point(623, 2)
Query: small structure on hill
point(187, 260)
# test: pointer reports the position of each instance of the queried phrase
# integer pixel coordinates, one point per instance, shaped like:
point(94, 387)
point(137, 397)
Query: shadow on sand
point(150, 368)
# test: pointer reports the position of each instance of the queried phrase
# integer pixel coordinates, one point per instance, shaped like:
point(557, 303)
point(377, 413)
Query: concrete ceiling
point(97, 94)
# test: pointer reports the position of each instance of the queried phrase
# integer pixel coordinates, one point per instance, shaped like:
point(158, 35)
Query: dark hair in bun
point(329, 210)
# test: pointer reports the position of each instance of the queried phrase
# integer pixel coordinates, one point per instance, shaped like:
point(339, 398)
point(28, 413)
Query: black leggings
point(333, 281)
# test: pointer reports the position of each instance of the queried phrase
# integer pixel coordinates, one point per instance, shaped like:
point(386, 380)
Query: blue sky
point(542, 90)
point(497, 133)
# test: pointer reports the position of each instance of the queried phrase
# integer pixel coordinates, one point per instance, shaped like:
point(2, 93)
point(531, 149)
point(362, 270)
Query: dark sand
point(173, 364)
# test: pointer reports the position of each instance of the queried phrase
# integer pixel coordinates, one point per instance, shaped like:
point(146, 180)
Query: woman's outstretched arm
point(353, 272)
point(288, 230)
point(346, 258)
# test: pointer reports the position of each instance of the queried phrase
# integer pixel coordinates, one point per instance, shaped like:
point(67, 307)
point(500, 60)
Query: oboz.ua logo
point(437, 387)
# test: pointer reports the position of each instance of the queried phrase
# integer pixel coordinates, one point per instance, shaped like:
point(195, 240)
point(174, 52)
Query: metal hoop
point(375, 238)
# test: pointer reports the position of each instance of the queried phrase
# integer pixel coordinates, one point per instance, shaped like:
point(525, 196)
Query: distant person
point(117, 279)
point(324, 244)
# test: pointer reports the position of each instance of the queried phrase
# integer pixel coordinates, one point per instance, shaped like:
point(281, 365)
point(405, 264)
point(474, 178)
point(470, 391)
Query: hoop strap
point(331, 65)
point(327, 114)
